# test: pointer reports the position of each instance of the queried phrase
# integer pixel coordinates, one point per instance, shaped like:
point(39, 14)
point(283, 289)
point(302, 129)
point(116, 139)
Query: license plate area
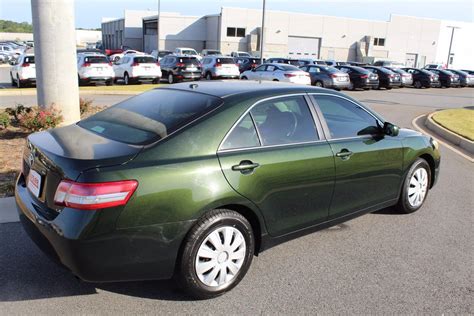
point(34, 183)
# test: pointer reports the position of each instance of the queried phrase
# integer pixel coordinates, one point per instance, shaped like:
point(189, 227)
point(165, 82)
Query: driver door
point(368, 163)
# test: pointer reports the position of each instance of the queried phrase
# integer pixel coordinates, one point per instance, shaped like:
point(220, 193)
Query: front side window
point(345, 118)
point(271, 68)
point(284, 121)
point(261, 68)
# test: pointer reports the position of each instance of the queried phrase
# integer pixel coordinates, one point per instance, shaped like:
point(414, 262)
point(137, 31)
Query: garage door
point(307, 47)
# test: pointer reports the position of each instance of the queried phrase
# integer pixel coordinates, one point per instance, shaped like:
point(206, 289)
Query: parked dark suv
point(360, 78)
point(179, 68)
point(447, 79)
point(423, 78)
point(246, 63)
point(387, 78)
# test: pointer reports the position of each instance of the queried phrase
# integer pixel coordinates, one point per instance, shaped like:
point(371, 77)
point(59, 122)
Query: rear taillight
point(93, 196)
point(180, 65)
point(157, 63)
point(364, 76)
point(290, 75)
point(218, 64)
point(135, 64)
point(86, 65)
point(25, 65)
point(334, 76)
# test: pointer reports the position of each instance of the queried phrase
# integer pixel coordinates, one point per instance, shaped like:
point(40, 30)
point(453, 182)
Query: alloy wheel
point(220, 256)
point(170, 78)
point(126, 80)
point(418, 187)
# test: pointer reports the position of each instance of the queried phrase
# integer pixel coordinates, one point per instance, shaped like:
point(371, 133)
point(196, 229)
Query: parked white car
point(187, 51)
point(137, 68)
point(277, 72)
point(23, 71)
point(93, 68)
point(217, 67)
point(116, 57)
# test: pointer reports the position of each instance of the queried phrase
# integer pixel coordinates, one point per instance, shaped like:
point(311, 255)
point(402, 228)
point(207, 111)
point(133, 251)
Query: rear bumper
point(97, 79)
point(188, 75)
point(143, 253)
point(340, 84)
point(147, 78)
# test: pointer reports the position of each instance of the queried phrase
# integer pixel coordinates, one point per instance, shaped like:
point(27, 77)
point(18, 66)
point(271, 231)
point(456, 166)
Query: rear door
point(274, 156)
point(368, 164)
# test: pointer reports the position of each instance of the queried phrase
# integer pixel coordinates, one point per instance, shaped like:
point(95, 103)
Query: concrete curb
point(454, 138)
point(85, 92)
point(8, 212)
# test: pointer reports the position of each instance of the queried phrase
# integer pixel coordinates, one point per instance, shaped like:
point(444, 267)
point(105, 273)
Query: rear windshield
point(29, 59)
point(163, 54)
point(225, 60)
point(150, 116)
point(144, 60)
point(96, 60)
point(189, 52)
point(330, 69)
point(188, 60)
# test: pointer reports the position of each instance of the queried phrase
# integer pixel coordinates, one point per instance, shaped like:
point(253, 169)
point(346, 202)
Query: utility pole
point(262, 31)
point(451, 42)
point(158, 29)
point(55, 57)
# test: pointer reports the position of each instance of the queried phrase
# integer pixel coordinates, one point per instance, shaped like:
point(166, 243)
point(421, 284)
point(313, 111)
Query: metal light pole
point(55, 57)
point(451, 42)
point(158, 29)
point(262, 32)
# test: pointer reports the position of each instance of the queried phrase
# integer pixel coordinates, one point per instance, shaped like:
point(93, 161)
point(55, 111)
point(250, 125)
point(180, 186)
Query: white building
point(411, 40)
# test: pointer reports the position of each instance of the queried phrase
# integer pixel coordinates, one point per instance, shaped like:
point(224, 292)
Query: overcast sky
point(90, 12)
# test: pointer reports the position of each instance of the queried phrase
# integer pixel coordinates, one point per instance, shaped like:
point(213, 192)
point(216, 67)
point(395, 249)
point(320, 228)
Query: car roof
point(224, 89)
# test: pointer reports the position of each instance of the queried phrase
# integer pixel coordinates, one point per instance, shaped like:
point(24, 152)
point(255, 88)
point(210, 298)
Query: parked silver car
point(277, 72)
point(217, 67)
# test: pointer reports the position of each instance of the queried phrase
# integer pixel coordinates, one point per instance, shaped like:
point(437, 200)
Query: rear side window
point(188, 61)
point(284, 121)
point(144, 60)
point(96, 60)
point(150, 116)
point(244, 135)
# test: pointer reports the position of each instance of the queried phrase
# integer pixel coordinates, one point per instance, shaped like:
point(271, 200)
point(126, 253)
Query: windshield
point(29, 59)
point(150, 116)
point(189, 52)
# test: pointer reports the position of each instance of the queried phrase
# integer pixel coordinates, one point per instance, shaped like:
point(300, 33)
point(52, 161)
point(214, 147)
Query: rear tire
point(208, 76)
point(415, 187)
point(18, 83)
point(417, 84)
point(216, 254)
point(171, 78)
point(12, 80)
point(126, 79)
point(319, 84)
point(245, 78)
point(109, 82)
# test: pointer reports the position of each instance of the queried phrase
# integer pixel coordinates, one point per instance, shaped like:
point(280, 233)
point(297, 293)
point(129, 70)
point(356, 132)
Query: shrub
point(84, 105)
point(39, 119)
point(17, 111)
point(4, 120)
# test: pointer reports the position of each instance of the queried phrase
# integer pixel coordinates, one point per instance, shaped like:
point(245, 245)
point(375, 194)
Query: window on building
point(378, 41)
point(235, 32)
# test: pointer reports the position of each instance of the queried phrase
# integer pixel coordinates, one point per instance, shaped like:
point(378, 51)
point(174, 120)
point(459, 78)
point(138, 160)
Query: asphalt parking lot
point(380, 263)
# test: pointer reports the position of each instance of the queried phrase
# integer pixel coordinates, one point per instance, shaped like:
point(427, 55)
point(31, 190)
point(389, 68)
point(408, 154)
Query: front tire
point(418, 84)
point(216, 254)
point(126, 79)
point(12, 80)
point(319, 84)
point(415, 187)
point(170, 78)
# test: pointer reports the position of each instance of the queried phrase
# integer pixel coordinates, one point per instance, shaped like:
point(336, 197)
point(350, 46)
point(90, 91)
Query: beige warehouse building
point(411, 40)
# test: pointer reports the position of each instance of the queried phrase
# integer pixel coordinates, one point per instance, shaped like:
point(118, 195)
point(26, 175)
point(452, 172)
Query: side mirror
point(253, 69)
point(390, 129)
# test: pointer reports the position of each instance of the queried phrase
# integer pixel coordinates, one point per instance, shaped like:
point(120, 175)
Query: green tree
point(15, 27)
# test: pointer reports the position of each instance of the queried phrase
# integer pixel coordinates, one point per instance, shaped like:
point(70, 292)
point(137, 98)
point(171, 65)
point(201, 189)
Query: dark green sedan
point(194, 180)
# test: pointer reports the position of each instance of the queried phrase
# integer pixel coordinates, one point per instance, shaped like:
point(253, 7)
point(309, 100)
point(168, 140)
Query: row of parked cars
point(133, 66)
point(11, 50)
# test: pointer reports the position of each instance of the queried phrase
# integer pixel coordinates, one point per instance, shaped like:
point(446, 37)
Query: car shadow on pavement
point(28, 274)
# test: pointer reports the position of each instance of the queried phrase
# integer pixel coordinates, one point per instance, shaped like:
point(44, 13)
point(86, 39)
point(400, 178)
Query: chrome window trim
point(270, 146)
point(258, 134)
point(328, 137)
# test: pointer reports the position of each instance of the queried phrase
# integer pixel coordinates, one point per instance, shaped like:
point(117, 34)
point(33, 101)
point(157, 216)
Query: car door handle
point(344, 154)
point(245, 166)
